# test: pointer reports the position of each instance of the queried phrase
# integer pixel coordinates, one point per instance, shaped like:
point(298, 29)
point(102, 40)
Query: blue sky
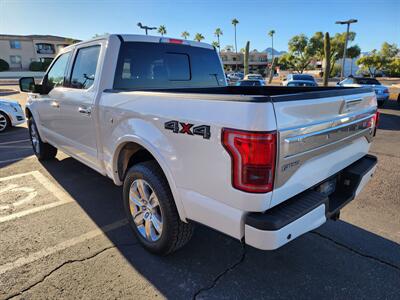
point(379, 20)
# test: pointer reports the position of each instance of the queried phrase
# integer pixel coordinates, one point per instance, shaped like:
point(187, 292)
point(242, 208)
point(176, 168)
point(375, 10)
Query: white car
point(11, 114)
point(253, 77)
point(261, 164)
point(299, 77)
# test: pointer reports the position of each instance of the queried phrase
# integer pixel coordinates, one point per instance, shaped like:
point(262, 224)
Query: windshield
point(161, 66)
point(303, 77)
point(367, 81)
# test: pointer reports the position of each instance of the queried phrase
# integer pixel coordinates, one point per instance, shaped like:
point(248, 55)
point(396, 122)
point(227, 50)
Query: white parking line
point(15, 159)
point(61, 246)
point(15, 142)
point(62, 196)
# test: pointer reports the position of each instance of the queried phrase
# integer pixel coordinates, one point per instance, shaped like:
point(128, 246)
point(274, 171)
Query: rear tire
point(42, 150)
point(147, 196)
point(5, 122)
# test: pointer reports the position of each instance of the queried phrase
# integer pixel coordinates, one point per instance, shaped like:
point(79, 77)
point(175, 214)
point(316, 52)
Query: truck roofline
point(139, 38)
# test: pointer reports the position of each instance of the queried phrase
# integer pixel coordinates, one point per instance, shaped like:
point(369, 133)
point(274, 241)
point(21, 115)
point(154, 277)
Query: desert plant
point(162, 30)
point(185, 34)
point(4, 66)
point(246, 58)
point(38, 66)
point(327, 55)
point(198, 37)
point(234, 23)
point(218, 32)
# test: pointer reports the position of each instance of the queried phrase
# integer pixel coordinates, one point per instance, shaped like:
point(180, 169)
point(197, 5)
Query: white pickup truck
point(261, 164)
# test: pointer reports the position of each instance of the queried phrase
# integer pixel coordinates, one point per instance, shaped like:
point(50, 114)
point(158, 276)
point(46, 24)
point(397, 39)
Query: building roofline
point(36, 37)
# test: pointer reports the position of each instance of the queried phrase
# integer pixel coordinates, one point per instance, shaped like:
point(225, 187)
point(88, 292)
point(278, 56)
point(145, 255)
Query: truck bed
point(262, 93)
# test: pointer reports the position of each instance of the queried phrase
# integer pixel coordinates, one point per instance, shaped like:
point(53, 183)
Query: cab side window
point(84, 68)
point(56, 75)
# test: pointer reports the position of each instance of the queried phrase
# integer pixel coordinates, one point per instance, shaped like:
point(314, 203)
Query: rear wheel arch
point(129, 153)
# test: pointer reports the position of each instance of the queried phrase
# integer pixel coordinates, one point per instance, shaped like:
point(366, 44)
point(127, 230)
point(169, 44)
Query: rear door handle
point(55, 104)
point(85, 110)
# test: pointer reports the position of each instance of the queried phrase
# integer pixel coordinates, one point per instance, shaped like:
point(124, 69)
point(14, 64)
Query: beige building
point(258, 61)
point(20, 50)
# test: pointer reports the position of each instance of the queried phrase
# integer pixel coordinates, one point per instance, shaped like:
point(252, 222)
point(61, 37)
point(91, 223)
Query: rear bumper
point(308, 210)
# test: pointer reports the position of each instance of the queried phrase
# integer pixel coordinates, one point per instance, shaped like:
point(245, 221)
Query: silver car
point(381, 91)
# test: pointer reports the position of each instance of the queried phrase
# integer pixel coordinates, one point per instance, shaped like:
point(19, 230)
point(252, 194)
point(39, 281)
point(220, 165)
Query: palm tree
point(218, 32)
point(199, 37)
point(185, 34)
point(271, 34)
point(271, 73)
point(234, 23)
point(162, 30)
point(215, 44)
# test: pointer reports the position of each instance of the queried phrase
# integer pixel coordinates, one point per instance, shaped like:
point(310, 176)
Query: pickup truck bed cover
point(263, 93)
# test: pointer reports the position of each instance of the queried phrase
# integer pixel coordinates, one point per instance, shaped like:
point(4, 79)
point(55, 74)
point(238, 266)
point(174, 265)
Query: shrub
point(4, 66)
point(39, 66)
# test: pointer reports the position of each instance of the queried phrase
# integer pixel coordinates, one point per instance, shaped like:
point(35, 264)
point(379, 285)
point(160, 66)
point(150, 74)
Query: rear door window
point(161, 66)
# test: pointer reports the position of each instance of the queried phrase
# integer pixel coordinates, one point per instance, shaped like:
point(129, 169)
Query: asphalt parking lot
point(64, 235)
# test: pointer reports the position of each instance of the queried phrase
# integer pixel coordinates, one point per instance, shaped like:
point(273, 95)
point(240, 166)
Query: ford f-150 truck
point(261, 164)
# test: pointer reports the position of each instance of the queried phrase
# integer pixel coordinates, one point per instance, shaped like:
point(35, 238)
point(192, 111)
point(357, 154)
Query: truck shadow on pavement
point(14, 146)
point(338, 260)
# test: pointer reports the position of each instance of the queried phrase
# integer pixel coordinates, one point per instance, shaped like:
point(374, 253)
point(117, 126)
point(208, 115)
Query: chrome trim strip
point(293, 145)
point(299, 144)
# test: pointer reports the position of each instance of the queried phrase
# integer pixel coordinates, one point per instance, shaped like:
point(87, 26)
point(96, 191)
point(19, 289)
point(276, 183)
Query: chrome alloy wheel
point(3, 122)
point(145, 210)
point(34, 137)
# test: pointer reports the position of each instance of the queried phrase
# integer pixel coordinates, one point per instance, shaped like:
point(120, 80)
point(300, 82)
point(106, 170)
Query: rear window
point(162, 66)
point(303, 77)
point(367, 81)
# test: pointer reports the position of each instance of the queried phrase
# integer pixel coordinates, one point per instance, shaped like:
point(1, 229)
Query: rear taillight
point(375, 119)
point(253, 159)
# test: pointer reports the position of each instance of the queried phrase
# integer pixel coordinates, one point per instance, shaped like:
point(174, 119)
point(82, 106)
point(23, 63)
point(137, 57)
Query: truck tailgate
point(318, 137)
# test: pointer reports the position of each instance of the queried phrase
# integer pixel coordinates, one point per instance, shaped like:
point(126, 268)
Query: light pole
point(348, 22)
point(146, 28)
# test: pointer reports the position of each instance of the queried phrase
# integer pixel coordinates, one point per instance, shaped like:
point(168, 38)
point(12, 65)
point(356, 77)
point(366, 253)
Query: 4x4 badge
point(186, 128)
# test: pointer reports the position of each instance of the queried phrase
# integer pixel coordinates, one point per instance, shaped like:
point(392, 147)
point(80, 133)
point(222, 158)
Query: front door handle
point(55, 104)
point(85, 110)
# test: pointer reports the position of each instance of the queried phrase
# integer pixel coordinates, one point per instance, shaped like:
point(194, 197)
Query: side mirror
point(27, 84)
point(338, 84)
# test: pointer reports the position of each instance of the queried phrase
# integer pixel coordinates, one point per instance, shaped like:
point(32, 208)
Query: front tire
point(42, 150)
point(4, 122)
point(151, 210)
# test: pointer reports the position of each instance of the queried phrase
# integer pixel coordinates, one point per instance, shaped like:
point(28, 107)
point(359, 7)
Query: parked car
point(253, 76)
point(301, 77)
point(234, 77)
point(250, 82)
point(11, 114)
point(381, 91)
point(301, 83)
point(261, 164)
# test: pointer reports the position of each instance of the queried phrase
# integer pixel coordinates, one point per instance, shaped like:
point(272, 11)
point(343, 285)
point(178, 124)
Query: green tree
point(300, 53)
point(383, 60)
point(218, 32)
point(199, 37)
point(162, 30)
point(215, 44)
point(185, 34)
point(234, 23)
